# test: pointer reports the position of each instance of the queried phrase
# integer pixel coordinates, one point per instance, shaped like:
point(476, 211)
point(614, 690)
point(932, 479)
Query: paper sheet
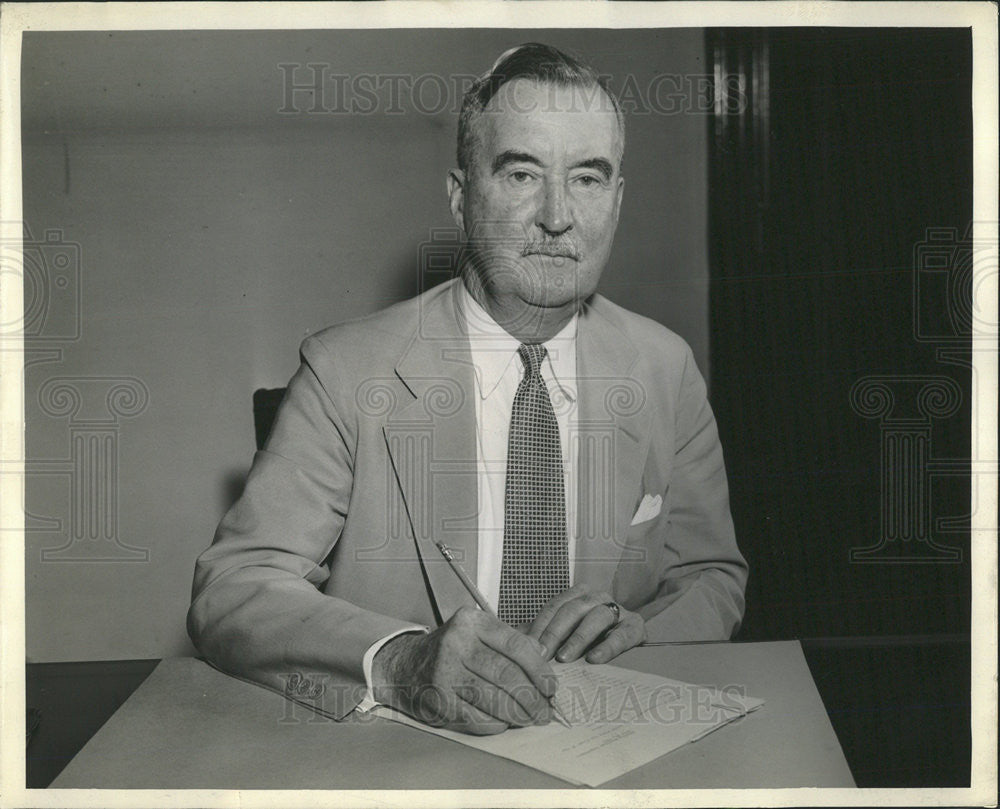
point(620, 719)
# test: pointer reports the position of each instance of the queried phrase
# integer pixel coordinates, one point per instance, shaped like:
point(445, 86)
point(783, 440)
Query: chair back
point(265, 408)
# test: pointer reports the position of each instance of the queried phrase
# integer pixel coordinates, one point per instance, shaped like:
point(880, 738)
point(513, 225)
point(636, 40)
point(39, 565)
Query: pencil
point(484, 605)
point(463, 577)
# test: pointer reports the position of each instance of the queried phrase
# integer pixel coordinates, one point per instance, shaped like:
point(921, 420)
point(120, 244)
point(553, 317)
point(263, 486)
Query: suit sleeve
point(257, 610)
point(702, 579)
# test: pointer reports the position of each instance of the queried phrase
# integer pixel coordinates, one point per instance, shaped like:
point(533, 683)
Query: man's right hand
point(473, 674)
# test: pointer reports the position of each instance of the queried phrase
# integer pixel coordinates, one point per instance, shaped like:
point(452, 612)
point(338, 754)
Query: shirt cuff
point(369, 702)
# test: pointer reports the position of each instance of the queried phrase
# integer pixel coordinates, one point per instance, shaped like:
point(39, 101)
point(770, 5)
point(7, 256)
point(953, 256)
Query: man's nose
point(554, 216)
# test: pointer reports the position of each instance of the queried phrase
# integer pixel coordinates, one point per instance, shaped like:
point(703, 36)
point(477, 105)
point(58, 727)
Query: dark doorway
point(841, 258)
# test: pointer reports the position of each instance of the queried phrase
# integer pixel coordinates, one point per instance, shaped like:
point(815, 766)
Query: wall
point(215, 233)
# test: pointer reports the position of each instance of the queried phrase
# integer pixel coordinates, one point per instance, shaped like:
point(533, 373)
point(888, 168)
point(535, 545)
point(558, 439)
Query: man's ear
point(456, 196)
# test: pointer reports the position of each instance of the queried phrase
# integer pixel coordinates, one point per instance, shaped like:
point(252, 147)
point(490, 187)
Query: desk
point(190, 726)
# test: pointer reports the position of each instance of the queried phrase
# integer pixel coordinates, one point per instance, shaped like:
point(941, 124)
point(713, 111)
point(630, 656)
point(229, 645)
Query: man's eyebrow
point(598, 163)
point(511, 156)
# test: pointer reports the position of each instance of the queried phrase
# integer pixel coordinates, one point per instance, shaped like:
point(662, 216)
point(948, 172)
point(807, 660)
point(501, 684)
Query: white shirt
point(498, 371)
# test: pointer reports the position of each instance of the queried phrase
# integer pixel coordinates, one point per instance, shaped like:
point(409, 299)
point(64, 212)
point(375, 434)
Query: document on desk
point(619, 720)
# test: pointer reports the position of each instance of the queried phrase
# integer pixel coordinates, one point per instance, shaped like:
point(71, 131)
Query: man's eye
point(520, 177)
point(588, 181)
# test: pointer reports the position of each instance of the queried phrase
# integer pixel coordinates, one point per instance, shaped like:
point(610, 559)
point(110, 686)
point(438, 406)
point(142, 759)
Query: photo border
point(17, 18)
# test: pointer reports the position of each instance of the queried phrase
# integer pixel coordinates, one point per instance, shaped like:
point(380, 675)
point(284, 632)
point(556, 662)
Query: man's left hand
point(578, 620)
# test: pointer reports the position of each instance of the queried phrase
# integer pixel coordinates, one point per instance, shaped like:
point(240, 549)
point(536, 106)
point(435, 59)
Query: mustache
point(561, 249)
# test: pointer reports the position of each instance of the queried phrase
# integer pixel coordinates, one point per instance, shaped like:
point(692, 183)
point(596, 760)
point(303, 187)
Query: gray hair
point(541, 63)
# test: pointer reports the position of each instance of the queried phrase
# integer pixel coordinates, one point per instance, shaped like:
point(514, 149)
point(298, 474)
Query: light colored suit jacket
point(372, 457)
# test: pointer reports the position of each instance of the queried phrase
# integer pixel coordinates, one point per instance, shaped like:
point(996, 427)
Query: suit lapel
point(432, 444)
point(431, 441)
point(612, 429)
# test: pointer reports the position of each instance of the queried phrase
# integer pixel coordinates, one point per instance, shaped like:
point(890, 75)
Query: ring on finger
point(616, 611)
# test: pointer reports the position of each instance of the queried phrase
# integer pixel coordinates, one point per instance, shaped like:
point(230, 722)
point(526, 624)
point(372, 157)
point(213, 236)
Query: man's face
point(540, 200)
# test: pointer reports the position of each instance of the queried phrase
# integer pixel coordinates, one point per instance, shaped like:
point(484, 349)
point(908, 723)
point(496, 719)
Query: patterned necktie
point(535, 552)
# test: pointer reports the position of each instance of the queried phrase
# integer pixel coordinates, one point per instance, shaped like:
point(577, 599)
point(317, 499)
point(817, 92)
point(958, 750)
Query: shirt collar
point(494, 349)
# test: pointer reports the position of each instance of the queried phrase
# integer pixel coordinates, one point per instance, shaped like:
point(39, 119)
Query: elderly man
point(560, 447)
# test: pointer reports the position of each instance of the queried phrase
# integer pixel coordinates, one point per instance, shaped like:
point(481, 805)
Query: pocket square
point(648, 508)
